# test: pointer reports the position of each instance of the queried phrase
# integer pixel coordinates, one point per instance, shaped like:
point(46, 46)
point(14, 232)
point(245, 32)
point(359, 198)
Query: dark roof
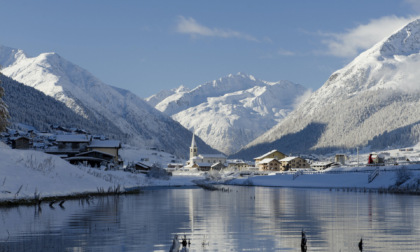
point(84, 154)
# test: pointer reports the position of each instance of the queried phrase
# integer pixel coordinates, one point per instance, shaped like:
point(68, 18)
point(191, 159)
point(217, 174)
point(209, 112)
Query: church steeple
point(193, 148)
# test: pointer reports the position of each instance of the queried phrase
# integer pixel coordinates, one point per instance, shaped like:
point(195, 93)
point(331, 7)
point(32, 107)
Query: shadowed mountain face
point(31, 107)
point(372, 102)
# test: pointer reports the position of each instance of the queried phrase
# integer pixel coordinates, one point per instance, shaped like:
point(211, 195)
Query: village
point(77, 146)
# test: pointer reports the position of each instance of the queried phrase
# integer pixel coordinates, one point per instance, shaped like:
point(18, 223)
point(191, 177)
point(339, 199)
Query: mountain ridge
point(79, 90)
point(231, 111)
point(359, 102)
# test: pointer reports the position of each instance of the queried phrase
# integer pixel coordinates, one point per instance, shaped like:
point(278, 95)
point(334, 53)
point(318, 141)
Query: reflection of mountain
point(231, 221)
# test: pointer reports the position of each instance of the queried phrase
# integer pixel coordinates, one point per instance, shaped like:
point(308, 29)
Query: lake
point(236, 219)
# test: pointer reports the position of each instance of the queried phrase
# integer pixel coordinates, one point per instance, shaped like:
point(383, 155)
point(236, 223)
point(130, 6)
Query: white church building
point(204, 162)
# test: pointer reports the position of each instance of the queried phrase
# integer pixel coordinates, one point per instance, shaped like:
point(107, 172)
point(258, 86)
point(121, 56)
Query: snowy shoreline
point(398, 179)
point(28, 176)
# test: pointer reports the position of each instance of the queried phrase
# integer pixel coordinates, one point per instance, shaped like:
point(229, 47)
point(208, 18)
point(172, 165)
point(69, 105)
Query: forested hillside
point(371, 103)
point(29, 106)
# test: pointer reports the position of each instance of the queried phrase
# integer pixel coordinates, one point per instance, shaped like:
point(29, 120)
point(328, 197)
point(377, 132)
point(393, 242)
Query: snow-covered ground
point(355, 177)
point(26, 174)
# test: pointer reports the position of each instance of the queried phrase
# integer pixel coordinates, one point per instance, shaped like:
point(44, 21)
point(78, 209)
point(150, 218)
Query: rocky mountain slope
point(230, 112)
point(372, 102)
point(105, 105)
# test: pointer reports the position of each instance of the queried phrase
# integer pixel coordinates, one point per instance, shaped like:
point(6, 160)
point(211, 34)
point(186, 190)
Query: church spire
point(193, 148)
point(193, 143)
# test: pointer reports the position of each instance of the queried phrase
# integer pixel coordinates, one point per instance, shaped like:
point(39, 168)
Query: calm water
point(244, 219)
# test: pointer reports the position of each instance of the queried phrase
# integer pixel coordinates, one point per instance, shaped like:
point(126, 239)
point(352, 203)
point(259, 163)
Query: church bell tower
point(193, 148)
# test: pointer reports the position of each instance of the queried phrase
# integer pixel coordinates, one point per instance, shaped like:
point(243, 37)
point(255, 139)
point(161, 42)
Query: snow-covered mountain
point(29, 106)
point(79, 90)
point(230, 112)
point(374, 102)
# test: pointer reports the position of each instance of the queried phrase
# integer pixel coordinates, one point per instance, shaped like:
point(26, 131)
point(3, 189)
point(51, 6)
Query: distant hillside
point(373, 102)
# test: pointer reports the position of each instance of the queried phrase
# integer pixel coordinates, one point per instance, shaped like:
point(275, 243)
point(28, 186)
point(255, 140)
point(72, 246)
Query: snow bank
point(27, 173)
point(347, 178)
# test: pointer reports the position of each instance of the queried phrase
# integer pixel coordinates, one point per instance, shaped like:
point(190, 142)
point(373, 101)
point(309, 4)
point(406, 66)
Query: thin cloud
point(362, 37)
point(283, 52)
point(192, 27)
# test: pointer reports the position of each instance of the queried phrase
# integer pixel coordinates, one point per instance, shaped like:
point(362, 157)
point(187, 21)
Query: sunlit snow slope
point(230, 112)
point(374, 102)
point(140, 123)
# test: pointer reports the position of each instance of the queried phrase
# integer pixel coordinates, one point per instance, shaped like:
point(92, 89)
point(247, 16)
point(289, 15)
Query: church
point(204, 162)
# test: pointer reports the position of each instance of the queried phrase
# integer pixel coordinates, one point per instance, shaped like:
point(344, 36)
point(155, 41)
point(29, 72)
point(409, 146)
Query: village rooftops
point(212, 156)
point(105, 144)
point(267, 154)
point(235, 161)
point(73, 138)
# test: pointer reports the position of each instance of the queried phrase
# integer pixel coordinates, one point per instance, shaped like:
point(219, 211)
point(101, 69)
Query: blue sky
point(148, 46)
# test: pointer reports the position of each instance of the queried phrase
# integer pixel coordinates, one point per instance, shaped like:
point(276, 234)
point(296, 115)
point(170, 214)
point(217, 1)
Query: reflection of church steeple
point(193, 148)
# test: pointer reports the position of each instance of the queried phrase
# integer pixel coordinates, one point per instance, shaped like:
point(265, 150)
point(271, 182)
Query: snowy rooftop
point(235, 161)
point(288, 159)
point(267, 160)
point(105, 144)
point(73, 138)
point(266, 154)
point(212, 156)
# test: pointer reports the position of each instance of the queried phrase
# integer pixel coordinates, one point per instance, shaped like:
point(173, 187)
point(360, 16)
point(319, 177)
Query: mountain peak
point(371, 102)
point(9, 55)
point(404, 42)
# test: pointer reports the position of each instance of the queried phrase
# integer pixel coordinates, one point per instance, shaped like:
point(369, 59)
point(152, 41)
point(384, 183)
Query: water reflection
point(242, 219)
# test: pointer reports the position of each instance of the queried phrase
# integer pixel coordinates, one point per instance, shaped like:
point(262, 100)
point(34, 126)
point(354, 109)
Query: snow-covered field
point(26, 174)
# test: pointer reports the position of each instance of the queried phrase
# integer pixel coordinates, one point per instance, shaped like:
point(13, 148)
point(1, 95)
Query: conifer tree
point(4, 113)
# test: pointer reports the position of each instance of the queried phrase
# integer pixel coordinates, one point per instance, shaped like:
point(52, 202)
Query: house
point(269, 164)
point(20, 142)
point(69, 145)
point(340, 158)
point(202, 166)
point(212, 158)
point(175, 166)
point(107, 146)
point(92, 158)
point(237, 164)
point(141, 167)
point(293, 162)
point(272, 154)
point(322, 165)
point(218, 166)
